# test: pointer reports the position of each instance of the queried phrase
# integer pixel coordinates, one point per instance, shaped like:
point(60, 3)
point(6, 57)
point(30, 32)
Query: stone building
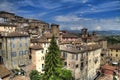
point(67, 37)
point(32, 26)
point(37, 57)
point(71, 57)
point(15, 49)
point(7, 17)
point(38, 49)
point(114, 53)
point(55, 29)
point(83, 61)
point(7, 27)
point(94, 58)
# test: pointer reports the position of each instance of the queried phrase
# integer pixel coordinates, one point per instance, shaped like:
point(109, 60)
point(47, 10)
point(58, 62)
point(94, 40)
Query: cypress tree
point(52, 60)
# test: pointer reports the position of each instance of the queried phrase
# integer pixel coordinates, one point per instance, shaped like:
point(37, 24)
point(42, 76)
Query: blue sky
point(70, 14)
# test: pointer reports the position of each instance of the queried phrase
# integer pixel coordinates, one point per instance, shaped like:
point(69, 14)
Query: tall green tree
point(52, 60)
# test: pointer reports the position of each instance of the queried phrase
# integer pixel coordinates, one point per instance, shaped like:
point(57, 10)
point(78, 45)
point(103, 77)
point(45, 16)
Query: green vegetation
point(52, 60)
point(35, 75)
point(113, 39)
point(114, 78)
point(53, 66)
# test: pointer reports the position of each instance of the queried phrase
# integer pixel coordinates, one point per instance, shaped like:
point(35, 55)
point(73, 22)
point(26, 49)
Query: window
point(42, 51)
point(81, 67)
point(26, 44)
point(20, 52)
point(116, 50)
point(116, 55)
point(76, 56)
point(14, 62)
point(76, 65)
point(20, 38)
point(86, 62)
point(26, 52)
point(46, 51)
point(65, 63)
point(64, 55)
point(42, 66)
point(13, 45)
point(72, 56)
point(12, 38)
point(13, 54)
point(95, 60)
point(0, 45)
point(20, 44)
point(111, 49)
point(42, 58)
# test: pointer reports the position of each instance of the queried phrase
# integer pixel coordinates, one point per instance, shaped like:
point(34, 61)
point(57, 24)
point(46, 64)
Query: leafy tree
point(64, 74)
point(35, 75)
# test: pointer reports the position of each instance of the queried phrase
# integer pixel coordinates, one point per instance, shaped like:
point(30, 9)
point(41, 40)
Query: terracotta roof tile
point(108, 67)
point(69, 35)
point(70, 49)
point(36, 47)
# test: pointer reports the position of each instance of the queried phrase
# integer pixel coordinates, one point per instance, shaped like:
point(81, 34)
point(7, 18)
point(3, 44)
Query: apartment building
point(71, 57)
point(94, 58)
point(38, 49)
point(7, 27)
point(114, 53)
point(15, 49)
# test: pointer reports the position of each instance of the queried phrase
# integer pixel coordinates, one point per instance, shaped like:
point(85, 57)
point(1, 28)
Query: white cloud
point(75, 1)
point(84, 1)
point(76, 27)
point(98, 28)
point(92, 24)
point(67, 18)
point(108, 6)
point(70, 18)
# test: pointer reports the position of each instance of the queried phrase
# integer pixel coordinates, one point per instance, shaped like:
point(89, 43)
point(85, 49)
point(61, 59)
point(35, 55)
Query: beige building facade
point(15, 50)
point(114, 53)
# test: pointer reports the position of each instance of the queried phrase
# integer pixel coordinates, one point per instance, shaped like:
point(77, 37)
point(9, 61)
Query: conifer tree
point(52, 60)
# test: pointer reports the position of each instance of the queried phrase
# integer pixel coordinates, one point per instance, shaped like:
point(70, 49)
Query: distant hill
point(108, 33)
point(104, 33)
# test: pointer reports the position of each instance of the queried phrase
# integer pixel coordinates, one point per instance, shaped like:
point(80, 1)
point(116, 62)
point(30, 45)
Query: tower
point(55, 29)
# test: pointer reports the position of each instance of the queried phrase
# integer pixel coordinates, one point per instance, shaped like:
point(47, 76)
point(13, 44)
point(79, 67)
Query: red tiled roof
point(108, 67)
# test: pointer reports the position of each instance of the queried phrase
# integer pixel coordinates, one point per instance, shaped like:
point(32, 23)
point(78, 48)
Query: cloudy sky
point(70, 14)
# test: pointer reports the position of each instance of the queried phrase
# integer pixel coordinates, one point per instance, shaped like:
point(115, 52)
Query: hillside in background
point(102, 33)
